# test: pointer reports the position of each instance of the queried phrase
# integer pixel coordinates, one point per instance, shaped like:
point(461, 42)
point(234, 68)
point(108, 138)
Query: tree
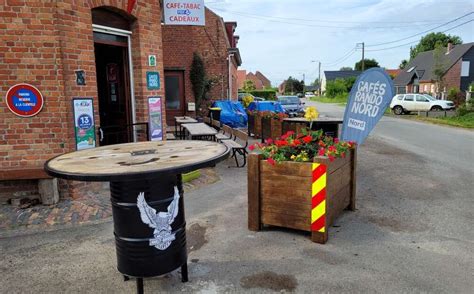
point(403, 64)
point(197, 76)
point(429, 42)
point(369, 63)
point(293, 85)
point(248, 86)
point(439, 66)
point(316, 83)
point(346, 68)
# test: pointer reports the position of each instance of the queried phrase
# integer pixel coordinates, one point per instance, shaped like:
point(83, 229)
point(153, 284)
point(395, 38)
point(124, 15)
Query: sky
point(288, 37)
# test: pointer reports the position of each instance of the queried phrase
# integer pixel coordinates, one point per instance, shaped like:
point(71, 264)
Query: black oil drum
point(150, 234)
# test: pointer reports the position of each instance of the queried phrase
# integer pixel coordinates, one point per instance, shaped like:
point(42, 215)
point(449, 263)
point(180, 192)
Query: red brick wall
point(452, 78)
point(43, 43)
point(210, 41)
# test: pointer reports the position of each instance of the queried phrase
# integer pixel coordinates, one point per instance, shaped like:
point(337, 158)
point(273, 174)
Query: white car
point(404, 103)
point(309, 95)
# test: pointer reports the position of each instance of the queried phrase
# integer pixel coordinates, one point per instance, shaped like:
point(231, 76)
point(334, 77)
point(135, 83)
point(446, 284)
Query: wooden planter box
point(255, 125)
point(271, 128)
point(285, 194)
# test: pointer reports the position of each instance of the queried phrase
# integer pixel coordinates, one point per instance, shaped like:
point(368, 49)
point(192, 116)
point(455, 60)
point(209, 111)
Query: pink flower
point(271, 161)
point(269, 141)
point(321, 152)
point(331, 158)
point(336, 140)
point(251, 147)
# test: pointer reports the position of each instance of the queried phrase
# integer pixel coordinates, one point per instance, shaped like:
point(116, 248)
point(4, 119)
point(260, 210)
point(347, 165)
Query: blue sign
point(152, 80)
point(371, 94)
point(84, 121)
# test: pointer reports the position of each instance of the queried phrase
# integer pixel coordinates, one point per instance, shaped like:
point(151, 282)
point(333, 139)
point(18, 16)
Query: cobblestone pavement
point(93, 207)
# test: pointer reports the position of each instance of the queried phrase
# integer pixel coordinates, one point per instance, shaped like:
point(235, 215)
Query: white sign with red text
point(184, 12)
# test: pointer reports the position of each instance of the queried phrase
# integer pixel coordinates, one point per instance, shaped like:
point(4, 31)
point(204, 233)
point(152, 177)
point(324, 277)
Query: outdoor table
point(178, 130)
point(200, 131)
point(329, 125)
point(145, 188)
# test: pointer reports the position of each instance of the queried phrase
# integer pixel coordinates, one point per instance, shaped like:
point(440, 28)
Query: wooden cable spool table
point(147, 198)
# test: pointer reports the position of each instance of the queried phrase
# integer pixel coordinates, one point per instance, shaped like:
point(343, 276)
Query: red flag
point(130, 5)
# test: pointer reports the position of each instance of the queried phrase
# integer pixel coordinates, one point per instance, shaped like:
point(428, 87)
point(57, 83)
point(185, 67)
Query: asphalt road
point(412, 232)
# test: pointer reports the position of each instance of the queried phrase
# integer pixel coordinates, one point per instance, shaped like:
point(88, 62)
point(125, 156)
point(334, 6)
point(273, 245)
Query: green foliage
point(294, 86)
point(369, 63)
point(197, 76)
point(266, 94)
point(339, 87)
point(248, 86)
point(465, 109)
point(452, 93)
point(429, 42)
point(403, 64)
point(439, 66)
point(316, 83)
point(346, 68)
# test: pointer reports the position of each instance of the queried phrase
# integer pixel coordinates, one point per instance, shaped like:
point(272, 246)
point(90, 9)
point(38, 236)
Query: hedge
point(266, 94)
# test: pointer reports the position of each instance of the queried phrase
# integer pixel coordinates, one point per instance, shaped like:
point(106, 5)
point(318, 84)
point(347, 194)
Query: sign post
point(155, 119)
point(371, 94)
point(184, 12)
point(84, 125)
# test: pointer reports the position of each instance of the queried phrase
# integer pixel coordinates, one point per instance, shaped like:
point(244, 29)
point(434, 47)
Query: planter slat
point(281, 195)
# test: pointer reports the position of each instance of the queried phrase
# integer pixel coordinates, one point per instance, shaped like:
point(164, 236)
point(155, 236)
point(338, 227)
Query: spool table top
point(134, 161)
point(318, 120)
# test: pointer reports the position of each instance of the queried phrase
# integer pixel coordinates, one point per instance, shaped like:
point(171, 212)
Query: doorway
point(174, 95)
point(113, 86)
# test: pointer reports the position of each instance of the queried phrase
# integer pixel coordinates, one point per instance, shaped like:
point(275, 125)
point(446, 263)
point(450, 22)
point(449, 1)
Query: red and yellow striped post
point(318, 203)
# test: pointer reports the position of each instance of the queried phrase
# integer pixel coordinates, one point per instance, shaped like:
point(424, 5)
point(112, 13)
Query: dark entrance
point(174, 93)
point(113, 85)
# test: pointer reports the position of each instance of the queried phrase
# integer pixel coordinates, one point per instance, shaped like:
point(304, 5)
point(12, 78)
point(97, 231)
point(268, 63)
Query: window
point(420, 98)
point(465, 69)
point(409, 97)
point(411, 69)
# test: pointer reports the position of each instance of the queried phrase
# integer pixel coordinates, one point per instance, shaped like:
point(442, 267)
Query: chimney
point(450, 47)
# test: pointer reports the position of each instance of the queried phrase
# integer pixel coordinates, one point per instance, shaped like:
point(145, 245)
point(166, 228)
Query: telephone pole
point(319, 78)
point(363, 58)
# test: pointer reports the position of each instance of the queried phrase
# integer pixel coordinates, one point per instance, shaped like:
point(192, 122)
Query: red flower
point(307, 139)
point(296, 142)
point(331, 158)
point(321, 143)
point(332, 148)
point(321, 152)
point(289, 133)
point(281, 143)
point(271, 161)
point(284, 137)
point(269, 141)
point(336, 140)
point(251, 147)
point(343, 155)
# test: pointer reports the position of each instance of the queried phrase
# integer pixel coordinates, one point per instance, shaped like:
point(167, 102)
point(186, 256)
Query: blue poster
point(152, 80)
point(371, 94)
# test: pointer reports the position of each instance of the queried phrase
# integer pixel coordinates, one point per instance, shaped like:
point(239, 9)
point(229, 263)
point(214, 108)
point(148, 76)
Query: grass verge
point(337, 99)
point(465, 121)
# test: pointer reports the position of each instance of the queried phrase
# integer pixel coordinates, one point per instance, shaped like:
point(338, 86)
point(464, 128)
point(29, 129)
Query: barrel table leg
point(139, 285)
point(184, 273)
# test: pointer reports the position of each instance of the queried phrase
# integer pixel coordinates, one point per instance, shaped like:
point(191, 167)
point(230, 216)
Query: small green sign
point(151, 60)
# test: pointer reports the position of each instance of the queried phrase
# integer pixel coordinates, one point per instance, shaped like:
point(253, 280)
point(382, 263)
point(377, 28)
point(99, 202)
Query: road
point(452, 146)
point(411, 233)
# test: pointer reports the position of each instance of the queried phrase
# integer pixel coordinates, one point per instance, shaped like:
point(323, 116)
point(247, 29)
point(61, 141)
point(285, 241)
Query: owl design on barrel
point(161, 221)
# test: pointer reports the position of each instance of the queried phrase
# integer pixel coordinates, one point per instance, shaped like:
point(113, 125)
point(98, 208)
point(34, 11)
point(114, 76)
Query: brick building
point(47, 44)
point(259, 80)
point(418, 76)
point(215, 43)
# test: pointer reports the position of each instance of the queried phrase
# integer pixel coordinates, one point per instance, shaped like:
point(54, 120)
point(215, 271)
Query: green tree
point(197, 76)
point(346, 68)
point(248, 86)
point(294, 86)
point(403, 64)
point(369, 63)
point(439, 65)
point(429, 42)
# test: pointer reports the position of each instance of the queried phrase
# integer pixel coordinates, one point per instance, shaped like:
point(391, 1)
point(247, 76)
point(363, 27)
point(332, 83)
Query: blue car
point(292, 105)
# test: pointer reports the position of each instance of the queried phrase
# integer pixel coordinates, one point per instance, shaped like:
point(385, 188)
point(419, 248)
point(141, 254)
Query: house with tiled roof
point(259, 79)
point(419, 77)
point(332, 75)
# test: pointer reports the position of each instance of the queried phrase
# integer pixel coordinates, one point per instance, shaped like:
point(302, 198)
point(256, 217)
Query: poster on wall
point(184, 12)
point(155, 119)
point(84, 125)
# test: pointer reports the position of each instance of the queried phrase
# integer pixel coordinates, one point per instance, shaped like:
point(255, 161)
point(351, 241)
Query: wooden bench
point(207, 120)
point(238, 145)
point(224, 134)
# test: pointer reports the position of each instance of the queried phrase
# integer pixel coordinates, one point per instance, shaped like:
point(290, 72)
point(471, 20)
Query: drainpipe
point(229, 92)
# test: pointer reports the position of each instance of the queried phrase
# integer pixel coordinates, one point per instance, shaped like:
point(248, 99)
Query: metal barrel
point(137, 244)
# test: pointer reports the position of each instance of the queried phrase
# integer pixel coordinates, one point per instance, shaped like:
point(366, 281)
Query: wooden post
point(352, 204)
point(253, 178)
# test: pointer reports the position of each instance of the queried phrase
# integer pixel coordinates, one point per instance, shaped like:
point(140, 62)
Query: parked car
point(404, 103)
point(291, 104)
point(242, 95)
point(300, 95)
point(309, 94)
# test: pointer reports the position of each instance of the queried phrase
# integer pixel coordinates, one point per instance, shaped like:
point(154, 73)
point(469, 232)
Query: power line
point(341, 59)
point(421, 33)
point(413, 42)
point(271, 19)
point(321, 20)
